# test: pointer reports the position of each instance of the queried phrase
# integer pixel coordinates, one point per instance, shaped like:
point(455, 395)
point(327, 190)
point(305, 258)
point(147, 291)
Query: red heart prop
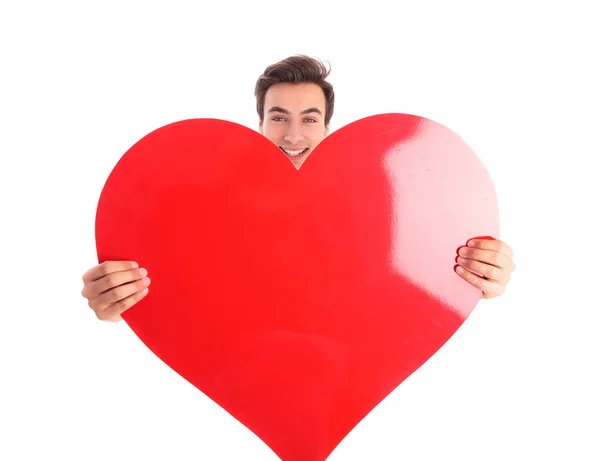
point(298, 299)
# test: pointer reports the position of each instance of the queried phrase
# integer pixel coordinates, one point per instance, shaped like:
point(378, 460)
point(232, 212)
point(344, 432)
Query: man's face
point(294, 119)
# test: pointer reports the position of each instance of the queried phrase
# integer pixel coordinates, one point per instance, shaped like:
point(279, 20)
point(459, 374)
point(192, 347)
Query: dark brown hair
point(295, 69)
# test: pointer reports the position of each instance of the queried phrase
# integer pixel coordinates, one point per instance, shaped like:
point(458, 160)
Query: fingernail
point(471, 243)
point(134, 265)
point(145, 292)
point(459, 269)
point(461, 260)
point(146, 281)
point(143, 272)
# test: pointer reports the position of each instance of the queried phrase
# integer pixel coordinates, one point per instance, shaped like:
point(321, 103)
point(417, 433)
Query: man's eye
point(277, 119)
point(312, 120)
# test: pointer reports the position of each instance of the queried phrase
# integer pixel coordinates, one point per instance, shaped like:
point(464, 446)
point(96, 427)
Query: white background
point(517, 80)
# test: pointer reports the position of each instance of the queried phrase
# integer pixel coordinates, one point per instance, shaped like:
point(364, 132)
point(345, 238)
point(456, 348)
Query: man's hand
point(486, 264)
point(113, 287)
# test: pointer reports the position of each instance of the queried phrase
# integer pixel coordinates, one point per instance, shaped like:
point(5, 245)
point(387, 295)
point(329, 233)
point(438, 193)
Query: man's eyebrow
point(311, 110)
point(287, 112)
point(279, 109)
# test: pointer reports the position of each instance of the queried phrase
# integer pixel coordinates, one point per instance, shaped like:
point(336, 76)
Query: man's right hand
point(113, 287)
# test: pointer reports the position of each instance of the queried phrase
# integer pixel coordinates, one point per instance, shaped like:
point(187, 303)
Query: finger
point(489, 288)
point(113, 312)
point(107, 267)
point(494, 245)
point(118, 294)
point(487, 256)
point(485, 270)
point(112, 280)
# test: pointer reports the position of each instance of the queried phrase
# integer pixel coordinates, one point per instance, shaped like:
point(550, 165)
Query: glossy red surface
point(298, 299)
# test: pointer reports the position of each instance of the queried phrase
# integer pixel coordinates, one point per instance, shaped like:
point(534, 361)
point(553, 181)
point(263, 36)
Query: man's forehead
point(301, 98)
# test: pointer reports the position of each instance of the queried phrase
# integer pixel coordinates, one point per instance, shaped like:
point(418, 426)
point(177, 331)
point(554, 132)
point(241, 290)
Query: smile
point(294, 153)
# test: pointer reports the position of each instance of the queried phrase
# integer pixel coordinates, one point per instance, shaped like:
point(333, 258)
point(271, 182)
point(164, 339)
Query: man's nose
point(294, 135)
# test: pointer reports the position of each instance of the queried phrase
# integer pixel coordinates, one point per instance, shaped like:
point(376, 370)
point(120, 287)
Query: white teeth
point(293, 153)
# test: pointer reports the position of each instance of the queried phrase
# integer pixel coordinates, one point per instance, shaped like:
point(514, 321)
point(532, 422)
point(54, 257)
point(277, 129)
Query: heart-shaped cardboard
point(298, 300)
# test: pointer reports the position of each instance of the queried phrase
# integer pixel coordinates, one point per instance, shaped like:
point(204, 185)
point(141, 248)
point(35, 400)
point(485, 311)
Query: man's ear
point(326, 130)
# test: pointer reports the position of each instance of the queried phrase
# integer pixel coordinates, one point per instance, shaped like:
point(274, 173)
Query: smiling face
point(294, 119)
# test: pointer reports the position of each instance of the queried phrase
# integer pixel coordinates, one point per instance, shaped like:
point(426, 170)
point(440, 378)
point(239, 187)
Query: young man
point(295, 104)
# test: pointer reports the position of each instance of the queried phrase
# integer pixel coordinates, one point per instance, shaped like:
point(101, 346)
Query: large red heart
point(298, 299)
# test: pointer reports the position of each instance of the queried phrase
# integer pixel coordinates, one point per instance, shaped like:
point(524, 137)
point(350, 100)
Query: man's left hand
point(486, 264)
